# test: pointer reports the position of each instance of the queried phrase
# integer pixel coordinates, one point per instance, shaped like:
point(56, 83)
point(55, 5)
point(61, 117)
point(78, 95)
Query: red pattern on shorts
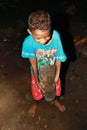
point(36, 92)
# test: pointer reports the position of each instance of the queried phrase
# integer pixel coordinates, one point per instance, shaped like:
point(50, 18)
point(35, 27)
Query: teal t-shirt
point(45, 54)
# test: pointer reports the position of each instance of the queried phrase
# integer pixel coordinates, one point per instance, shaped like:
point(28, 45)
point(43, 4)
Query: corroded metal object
point(47, 75)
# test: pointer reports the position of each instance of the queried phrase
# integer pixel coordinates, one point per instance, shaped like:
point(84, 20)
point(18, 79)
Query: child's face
point(41, 36)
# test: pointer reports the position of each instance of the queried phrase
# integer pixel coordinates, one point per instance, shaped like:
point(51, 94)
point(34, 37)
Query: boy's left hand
point(56, 80)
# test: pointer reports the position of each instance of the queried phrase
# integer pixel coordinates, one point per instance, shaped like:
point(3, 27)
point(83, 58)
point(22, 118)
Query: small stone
point(77, 100)
point(45, 126)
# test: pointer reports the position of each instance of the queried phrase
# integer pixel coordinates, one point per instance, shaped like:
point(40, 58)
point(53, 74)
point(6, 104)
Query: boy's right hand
point(40, 86)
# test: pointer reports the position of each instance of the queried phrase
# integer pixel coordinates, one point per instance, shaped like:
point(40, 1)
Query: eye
point(37, 39)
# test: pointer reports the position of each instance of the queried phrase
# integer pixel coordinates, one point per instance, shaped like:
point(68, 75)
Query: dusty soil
point(15, 94)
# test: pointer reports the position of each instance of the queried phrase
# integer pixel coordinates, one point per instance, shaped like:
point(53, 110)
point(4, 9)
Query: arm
point(58, 67)
point(33, 63)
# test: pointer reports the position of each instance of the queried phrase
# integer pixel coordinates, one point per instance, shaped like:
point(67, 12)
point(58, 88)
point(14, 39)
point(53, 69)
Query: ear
point(28, 30)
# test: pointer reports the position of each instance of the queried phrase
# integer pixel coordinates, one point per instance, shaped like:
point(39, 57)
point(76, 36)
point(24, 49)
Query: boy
point(43, 47)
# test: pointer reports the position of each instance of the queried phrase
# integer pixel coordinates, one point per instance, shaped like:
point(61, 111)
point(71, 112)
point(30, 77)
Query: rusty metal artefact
point(47, 75)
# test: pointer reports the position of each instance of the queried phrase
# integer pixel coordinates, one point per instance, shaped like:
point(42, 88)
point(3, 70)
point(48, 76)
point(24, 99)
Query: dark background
point(70, 19)
point(21, 8)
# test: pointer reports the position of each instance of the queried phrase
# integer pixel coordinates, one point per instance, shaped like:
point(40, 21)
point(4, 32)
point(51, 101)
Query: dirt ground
point(15, 94)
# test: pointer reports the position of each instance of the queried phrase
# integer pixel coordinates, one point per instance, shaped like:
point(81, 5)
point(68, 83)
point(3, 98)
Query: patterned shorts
point(36, 92)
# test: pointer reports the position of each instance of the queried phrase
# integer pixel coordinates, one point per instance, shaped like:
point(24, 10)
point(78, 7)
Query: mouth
point(47, 42)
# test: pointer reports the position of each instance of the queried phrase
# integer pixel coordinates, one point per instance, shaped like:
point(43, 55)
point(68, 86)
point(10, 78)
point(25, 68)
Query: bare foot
point(32, 110)
point(60, 106)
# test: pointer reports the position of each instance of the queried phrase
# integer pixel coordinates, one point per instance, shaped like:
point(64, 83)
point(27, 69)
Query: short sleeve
point(28, 48)
point(61, 56)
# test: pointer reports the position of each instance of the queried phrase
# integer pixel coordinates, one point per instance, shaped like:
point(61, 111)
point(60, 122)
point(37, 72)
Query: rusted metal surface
point(47, 75)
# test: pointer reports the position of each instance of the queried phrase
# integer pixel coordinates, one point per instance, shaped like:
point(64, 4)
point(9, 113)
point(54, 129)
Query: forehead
point(41, 33)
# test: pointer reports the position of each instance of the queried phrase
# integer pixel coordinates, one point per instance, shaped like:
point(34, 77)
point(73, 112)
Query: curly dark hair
point(39, 19)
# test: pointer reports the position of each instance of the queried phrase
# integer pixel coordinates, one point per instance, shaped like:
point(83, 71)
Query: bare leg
point(59, 105)
point(32, 109)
